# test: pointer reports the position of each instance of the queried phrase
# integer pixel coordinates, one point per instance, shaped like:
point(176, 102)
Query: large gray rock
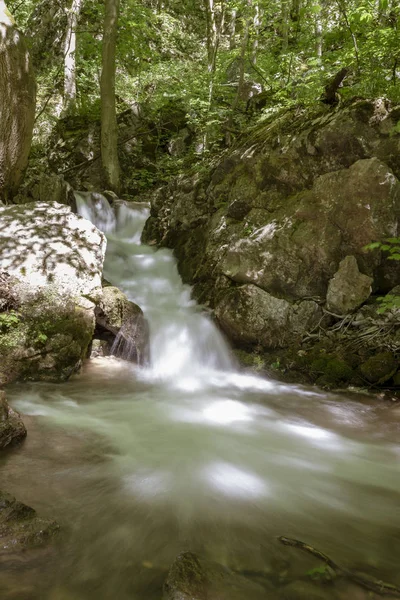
point(12, 429)
point(295, 250)
point(45, 244)
point(251, 316)
point(52, 261)
point(348, 288)
point(192, 578)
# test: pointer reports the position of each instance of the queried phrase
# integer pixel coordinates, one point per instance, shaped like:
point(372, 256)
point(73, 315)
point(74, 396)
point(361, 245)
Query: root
point(365, 581)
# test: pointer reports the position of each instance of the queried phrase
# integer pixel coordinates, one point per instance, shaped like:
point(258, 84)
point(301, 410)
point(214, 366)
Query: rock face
point(20, 527)
point(348, 288)
point(12, 429)
point(52, 261)
point(192, 578)
point(264, 234)
point(122, 326)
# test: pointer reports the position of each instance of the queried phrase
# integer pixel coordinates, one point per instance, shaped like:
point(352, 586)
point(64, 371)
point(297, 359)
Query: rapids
point(190, 453)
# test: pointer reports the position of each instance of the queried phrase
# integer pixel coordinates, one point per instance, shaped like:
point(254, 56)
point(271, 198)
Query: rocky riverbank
point(274, 240)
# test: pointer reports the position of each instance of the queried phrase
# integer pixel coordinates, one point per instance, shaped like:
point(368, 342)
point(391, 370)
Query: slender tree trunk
point(256, 27)
point(70, 56)
point(109, 128)
point(232, 30)
point(343, 11)
point(17, 105)
point(214, 29)
point(285, 26)
point(318, 32)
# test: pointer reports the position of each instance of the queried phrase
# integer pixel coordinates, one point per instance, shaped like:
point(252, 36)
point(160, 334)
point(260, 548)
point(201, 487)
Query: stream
point(191, 453)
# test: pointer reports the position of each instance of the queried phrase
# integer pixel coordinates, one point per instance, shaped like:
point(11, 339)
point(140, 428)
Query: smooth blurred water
point(192, 454)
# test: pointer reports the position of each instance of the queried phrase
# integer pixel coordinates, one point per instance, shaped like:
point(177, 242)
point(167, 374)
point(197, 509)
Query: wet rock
point(20, 527)
point(121, 324)
point(192, 578)
point(380, 368)
point(348, 289)
point(238, 209)
point(12, 429)
point(250, 315)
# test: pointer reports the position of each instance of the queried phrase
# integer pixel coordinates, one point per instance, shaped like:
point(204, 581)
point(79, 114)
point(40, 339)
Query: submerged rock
point(20, 527)
point(12, 429)
point(192, 578)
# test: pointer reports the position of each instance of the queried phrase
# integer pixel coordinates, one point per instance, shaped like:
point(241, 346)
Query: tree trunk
point(69, 56)
point(17, 105)
point(109, 129)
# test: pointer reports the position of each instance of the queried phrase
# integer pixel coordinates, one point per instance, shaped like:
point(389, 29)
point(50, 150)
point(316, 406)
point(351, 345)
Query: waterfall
point(184, 342)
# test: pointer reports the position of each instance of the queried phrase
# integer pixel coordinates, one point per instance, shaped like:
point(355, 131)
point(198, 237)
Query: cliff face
point(282, 222)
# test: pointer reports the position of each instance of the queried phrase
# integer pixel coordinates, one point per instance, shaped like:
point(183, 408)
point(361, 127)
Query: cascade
point(183, 339)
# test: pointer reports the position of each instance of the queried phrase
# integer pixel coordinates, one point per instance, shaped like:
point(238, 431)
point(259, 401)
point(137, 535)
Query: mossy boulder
point(251, 316)
point(20, 527)
point(121, 327)
point(380, 368)
point(12, 429)
point(47, 339)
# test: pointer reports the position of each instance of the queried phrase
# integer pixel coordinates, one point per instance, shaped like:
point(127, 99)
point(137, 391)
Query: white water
point(191, 453)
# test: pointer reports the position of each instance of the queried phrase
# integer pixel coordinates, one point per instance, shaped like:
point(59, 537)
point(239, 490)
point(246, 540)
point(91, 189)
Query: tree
point(109, 129)
point(17, 105)
point(69, 56)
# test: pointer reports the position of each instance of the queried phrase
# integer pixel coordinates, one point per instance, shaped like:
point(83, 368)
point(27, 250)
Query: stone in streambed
point(12, 429)
point(20, 527)
point(193, 578)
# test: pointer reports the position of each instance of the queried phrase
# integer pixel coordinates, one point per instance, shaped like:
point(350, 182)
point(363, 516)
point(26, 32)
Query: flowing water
point(189, 453)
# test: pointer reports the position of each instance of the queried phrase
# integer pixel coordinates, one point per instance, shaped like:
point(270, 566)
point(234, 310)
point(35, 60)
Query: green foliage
point(391, 247)
point(8, 320)
point(287, 51)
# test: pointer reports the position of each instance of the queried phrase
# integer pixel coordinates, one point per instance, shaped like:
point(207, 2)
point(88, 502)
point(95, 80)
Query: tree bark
point(70, 56)
point(17, 105)
point(109, 128)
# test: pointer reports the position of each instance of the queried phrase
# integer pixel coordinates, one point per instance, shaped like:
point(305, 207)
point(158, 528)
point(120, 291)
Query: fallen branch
point(365, 581)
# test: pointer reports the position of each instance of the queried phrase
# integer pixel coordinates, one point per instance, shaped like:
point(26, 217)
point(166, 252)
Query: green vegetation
point(212, 67)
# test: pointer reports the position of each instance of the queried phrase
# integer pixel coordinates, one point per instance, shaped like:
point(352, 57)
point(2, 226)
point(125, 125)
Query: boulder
point(20, 527)
point(12, 429)
point(251, 316)
point(380, 368)
point(46, 245)
point(193, 578)
point(295, 250)
point(52, 261)
point(121, 324)
point(348, 289)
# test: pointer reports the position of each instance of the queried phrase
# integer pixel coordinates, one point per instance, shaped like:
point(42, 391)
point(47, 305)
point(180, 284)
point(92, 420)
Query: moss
point(379, 368)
